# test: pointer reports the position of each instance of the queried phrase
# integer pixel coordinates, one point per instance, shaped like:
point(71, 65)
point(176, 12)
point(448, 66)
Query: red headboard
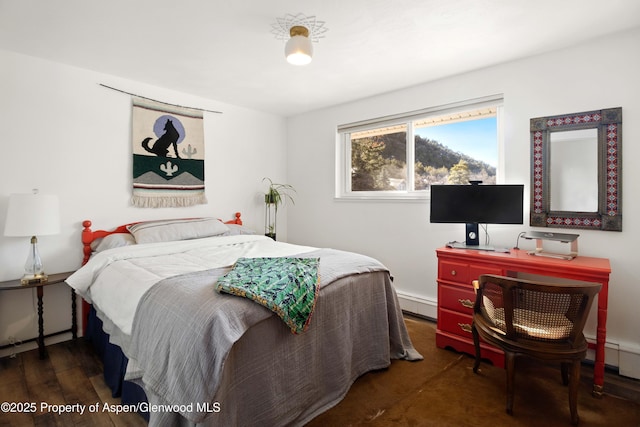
point(89, 235)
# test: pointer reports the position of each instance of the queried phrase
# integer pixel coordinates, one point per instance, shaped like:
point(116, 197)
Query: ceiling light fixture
point(299, 31)
point(299, 48)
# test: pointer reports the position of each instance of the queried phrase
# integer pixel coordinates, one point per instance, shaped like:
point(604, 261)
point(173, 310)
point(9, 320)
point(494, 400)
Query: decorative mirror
point(576, 171)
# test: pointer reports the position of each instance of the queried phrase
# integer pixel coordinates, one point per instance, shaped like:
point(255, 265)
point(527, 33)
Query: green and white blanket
point(287, 286)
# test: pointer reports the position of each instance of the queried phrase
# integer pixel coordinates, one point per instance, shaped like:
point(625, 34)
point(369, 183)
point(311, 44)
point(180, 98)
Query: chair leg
point(509, 362)
point(476, 343)
point(574, 382)
point(564, 370)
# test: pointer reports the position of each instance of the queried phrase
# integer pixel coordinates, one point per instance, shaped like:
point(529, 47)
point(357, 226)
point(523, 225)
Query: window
point(402, 156)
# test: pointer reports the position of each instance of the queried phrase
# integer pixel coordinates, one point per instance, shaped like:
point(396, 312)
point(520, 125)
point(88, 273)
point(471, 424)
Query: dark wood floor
point(71, 374)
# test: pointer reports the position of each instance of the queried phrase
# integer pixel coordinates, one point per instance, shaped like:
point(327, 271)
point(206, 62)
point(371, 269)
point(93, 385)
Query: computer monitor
point(476, 204)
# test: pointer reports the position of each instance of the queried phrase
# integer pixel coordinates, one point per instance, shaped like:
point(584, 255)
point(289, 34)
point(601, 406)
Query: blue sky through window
point(475, 138)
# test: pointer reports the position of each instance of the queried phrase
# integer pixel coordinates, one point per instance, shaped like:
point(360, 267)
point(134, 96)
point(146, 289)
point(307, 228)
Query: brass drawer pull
point(466, 303)
point(453, 272)
point(465, 327)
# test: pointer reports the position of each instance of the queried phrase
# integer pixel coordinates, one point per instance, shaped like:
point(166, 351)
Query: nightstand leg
point(40, 324)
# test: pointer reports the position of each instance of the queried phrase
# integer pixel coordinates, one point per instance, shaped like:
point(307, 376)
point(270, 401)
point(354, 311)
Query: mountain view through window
point(447, 150)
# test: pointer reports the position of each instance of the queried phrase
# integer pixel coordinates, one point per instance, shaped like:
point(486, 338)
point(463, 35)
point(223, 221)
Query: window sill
point(384, 197)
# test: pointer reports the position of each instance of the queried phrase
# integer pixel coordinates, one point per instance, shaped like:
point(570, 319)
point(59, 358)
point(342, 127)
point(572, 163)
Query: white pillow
point(111, 241)
point(176, 229)
point(235, 229)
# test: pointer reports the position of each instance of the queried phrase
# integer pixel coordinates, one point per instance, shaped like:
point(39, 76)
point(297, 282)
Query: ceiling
point(224, 50)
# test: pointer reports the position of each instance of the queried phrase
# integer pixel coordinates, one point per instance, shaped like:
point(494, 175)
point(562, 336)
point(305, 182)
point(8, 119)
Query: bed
point(186, 342)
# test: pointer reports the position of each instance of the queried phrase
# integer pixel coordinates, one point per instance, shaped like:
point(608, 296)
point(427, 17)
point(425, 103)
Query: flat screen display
point(480, 204)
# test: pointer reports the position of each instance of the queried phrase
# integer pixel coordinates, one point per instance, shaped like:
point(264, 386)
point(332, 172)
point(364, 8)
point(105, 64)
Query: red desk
point(458, 267)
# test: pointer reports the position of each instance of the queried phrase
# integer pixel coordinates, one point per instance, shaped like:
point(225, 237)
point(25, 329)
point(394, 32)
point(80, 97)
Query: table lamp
point(31, 215)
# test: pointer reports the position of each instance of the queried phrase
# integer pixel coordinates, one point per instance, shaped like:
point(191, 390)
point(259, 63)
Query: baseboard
point(21, 347)
point(629, 358)
point(418, 305)
point(623, 357)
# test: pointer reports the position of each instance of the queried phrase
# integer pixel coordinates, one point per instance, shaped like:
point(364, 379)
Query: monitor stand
point(472, 239)
point(472, 234)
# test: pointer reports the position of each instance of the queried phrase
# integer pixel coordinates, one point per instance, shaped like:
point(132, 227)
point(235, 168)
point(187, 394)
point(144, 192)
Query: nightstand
point(53, 279)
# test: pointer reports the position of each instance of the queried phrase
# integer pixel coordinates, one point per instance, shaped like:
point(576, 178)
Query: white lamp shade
point(32, 215)
point(298, 50)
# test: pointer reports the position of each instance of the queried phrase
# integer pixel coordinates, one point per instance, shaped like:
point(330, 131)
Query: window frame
point(343, 148)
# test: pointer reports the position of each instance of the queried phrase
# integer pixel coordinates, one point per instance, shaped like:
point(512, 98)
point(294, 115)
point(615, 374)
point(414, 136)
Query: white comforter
point(115, 280)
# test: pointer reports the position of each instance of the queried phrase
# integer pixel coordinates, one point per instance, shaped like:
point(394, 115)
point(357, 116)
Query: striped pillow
point(176, 229)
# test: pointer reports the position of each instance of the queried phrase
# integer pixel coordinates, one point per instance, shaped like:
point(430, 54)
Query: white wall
point(64, 134)
point(600, 74)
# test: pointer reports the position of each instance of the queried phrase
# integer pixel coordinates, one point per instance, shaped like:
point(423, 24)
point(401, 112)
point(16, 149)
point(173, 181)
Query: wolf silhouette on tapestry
point(169, 138)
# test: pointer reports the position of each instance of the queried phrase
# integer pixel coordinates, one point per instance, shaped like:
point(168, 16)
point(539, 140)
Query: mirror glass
point(573, 170)
point(576, 170)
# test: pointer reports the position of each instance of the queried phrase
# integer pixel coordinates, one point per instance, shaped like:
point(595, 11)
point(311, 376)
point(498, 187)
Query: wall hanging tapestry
point(168, 155)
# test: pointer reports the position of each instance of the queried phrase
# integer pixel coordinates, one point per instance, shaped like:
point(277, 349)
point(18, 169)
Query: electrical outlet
point(15, 343)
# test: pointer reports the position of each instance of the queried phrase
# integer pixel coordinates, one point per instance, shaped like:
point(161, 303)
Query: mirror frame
point(608, 122)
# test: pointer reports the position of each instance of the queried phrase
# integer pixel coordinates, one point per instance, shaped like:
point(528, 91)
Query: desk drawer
point(465, 273)
point(456, 298)
point(455, 323)
point(453, 271)
point(476, 270)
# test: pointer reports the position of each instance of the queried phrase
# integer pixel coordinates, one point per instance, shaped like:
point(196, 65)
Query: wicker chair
point(539, 320)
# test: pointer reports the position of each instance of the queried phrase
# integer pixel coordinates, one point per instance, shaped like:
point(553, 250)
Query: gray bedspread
point(197, 350)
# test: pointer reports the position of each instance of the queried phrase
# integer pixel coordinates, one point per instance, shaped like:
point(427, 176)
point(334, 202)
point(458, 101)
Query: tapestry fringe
point(168, 202)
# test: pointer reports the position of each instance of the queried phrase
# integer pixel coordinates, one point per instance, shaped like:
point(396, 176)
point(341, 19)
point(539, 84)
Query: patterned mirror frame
point(608, 122)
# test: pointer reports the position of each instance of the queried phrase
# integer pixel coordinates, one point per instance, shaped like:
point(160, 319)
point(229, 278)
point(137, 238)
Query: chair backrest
point(529, 310)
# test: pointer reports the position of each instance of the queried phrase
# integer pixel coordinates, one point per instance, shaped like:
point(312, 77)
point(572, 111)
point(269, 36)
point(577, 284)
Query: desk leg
point(40, 324)
point(601, 338)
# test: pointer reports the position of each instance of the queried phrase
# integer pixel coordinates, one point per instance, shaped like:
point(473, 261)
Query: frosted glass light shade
point(298, 50)
point(32, 215)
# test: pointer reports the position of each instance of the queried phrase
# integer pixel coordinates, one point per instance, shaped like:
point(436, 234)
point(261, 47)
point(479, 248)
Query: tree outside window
point(378, 162)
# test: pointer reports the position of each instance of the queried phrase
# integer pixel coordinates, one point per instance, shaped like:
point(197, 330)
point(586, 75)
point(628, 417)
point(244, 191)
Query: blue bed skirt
point(115, 364)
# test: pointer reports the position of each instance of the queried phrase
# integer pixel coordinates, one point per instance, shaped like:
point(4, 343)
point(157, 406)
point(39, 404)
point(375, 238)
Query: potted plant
point(277, 194)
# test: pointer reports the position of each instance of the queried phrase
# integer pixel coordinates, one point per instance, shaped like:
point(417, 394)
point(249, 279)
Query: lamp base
point(30, 279)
